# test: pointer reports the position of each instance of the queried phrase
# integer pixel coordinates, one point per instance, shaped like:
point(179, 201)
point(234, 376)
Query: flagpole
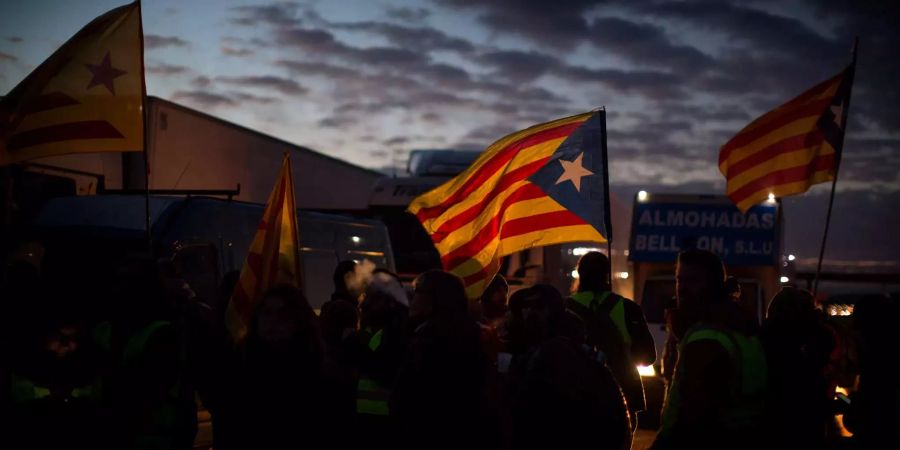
point(837, 166)
point(146, 114)
point(607, 213)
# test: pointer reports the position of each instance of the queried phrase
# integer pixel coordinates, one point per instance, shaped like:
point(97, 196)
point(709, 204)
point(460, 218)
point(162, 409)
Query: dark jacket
point(621, 361)
point(565, 399)
point(441, 382)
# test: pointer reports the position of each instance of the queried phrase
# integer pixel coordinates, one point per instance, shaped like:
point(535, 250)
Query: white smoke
point(359, 279)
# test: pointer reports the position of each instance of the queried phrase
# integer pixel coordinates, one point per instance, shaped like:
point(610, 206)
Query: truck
point(206, 238)
point(664, 224)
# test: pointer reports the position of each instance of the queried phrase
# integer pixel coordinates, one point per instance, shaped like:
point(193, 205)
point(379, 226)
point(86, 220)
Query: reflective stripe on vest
point(746, 406)
point(163, 417)
point(24, 390)
point(591, 299)
point(375, 340)
point(371, 398)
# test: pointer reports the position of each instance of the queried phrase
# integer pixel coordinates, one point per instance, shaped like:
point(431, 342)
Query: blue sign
point(660, 230)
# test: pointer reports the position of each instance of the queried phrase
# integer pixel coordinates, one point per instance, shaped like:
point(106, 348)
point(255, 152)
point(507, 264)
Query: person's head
point(542, 308)
point(493, 300)
point(384, 296)
point(138, 291)
point(343, 270)
point(593, 272)
point(63, 340)
point(438, 294)
point(791, 306)
point(282, 316)
point(699, 279)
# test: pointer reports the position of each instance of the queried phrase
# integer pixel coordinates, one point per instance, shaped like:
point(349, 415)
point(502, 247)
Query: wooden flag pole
point(837, 167)
point(148, 225)
point(607, 213)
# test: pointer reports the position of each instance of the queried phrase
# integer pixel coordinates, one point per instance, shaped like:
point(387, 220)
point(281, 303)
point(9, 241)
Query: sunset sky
point(367, 81)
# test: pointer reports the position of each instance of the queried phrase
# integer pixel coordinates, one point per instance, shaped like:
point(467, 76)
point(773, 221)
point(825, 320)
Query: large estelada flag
point(790, 148)
point(86, 97)
point(541, 186)
point(274, 256)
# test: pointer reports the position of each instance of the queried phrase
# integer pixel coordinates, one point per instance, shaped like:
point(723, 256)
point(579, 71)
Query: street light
point(642, 196)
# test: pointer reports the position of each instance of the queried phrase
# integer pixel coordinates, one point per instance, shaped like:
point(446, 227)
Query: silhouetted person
point(443, 377)
point(874, 417)
point(339, 318)
point(717, 396)
point(615, 327)
point(798, 348)
point(564, 397)
point(382, 346)
point(280, 401)
point(146, 388)
point(54, 388)
point(493, 300)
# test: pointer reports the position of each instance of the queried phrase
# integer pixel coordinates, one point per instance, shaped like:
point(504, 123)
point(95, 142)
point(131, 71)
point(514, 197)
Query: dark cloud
point(322, 43)
point(396, 140)
point(757, 29)
point(432, 117)
point(648, 83)
point(337, 122)
point(155, 41)
point(559, 24)
point(486, 134)
point(380, 154)
point(446, 75)
point(646, 44)
point(250, 98)
point(7, 57)
point(232, 51)
point(278, 14)
point(407, 14)
point(721, 112)
point(282, 85)
point(167, 69)
point(202, 99)
point(14, 39)
point(201, 81)
point(519, 66)
point(418, 38)
point(317, 69)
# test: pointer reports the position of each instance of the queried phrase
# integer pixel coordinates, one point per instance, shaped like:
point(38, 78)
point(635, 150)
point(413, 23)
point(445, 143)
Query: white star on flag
point(573, 171)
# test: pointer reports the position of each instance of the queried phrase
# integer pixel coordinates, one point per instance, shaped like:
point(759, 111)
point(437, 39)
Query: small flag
point(540, 186)
point(790, 148)
point(86, 97)
point(274, 256)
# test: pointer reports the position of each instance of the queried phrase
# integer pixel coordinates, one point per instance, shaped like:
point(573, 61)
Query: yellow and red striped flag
point(541, 186)
point(274, 256)
point(790, 148)
point(86, 97)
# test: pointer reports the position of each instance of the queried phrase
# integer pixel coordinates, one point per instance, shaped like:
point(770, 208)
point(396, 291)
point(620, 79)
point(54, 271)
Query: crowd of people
point(384, 365)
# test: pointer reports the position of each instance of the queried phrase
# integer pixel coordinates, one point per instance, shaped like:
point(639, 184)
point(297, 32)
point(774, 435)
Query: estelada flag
point(86, 97)
point(541, 186)
point(790, 148)
point(274, 256)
